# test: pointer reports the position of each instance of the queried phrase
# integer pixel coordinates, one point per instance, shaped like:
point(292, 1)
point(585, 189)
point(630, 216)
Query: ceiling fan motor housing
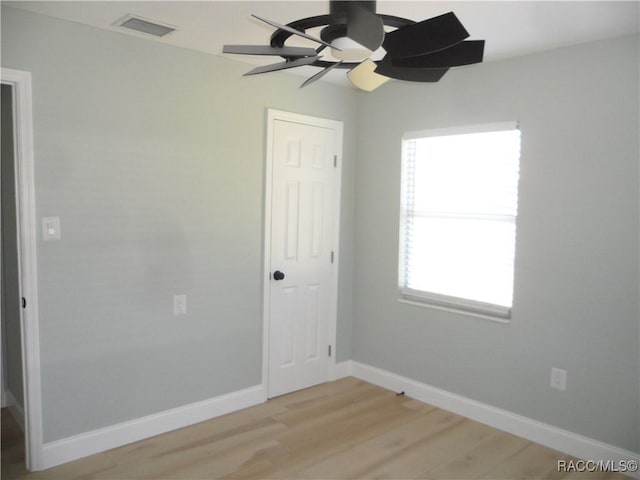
point(340, 7)
point(339, 11)
point(337, 33)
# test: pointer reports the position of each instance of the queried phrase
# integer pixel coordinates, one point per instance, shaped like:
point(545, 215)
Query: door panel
point(303, 183)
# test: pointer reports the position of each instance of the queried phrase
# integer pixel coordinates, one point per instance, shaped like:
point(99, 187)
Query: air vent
point(142, 25)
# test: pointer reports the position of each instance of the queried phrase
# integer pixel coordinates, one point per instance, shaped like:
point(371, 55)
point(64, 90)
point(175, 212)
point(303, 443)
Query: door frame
point(27, 261)
point(273, 116)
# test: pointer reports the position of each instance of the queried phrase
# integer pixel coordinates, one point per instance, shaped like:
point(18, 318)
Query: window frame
point(434, 300)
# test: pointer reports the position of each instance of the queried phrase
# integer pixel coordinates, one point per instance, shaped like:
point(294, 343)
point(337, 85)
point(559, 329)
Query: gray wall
point(576, 272)
point(153, 158)
point(11, 338)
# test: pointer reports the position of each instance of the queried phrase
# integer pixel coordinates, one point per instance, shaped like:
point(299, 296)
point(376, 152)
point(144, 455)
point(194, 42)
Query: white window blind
point(458, 219)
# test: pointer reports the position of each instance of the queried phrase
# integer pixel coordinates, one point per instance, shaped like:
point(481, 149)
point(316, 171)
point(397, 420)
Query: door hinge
point(332, 256)
point(335, 161)
point(329, 350)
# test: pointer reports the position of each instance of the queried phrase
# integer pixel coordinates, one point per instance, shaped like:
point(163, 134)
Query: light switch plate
point(50, 228)
point(180, 304)
point(558, 379)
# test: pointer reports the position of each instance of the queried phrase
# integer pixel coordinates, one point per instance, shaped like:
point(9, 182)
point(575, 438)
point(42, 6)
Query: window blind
point(458, 219)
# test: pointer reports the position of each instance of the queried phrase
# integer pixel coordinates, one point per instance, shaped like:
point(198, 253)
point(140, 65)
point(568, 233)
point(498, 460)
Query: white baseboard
point(73, 448)
point(96, 441)
point(342, 370)
point(15, 409)
point(563, 440)
point(78, 446)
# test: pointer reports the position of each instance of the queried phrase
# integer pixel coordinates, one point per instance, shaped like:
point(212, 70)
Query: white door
point(303, 203)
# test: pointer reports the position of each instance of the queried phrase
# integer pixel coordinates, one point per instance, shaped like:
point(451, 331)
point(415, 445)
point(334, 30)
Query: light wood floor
point(342, 429)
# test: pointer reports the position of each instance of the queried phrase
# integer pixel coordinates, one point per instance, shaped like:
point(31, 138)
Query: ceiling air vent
point(139, 24)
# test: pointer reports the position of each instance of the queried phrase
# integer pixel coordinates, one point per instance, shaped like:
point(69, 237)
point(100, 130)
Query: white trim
point(462, 130)
point(533, 430)
point(337, 126)
point(453, 309)
point(27, 228)
point(96, 441)
point(15, 409)
point(457, 303)
point(342, 370)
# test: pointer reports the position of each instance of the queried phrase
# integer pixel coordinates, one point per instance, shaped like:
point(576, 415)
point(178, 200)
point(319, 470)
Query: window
point(458, 218)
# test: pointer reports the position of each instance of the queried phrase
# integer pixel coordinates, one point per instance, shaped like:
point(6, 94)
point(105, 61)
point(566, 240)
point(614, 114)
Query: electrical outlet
point(179, 304)
point(558, 378)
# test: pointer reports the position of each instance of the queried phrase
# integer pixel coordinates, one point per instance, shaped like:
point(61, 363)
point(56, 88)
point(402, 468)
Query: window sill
point(462, 307)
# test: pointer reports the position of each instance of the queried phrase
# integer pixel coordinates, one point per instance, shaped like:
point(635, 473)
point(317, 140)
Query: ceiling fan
point(355, 33)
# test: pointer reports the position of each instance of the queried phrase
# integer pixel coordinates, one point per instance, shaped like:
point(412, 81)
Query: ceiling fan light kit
point(359, 42)
point(365, 77)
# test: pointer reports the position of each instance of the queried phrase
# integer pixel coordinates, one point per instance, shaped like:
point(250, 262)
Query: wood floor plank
point(212, 457)
point(88, 467)
point(427, 453)
point(343, 429)
point(342, 387)
point(533, 461)
point(357, 461)
point(475, 462)
point(12, 450)
point(315, 440)
point(328, 408)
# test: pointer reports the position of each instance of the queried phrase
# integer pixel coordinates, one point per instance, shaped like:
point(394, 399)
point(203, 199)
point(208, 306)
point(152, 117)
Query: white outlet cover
point(50, 228)
point(558, 379)
point(180, 304)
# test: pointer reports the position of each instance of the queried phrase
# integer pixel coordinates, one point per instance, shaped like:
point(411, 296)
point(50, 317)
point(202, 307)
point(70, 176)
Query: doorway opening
point(20, 330)
point(11, 333)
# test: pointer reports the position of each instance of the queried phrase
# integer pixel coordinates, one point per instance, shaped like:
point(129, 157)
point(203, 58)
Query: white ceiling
point(510, 28)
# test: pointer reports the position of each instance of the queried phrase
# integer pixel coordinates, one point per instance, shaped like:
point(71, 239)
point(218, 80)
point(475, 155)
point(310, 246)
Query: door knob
point(278, 275)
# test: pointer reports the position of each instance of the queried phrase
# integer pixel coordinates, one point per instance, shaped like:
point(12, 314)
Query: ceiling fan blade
point(287, 28)
point(268, 50)
point(425, 37)
point(319, 75)
point(274, 67)
point(364, 26)
point(463, 53)
point(365, 78)
point(410, 74)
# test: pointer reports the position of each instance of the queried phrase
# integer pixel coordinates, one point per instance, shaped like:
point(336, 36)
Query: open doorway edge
point(26, 219)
